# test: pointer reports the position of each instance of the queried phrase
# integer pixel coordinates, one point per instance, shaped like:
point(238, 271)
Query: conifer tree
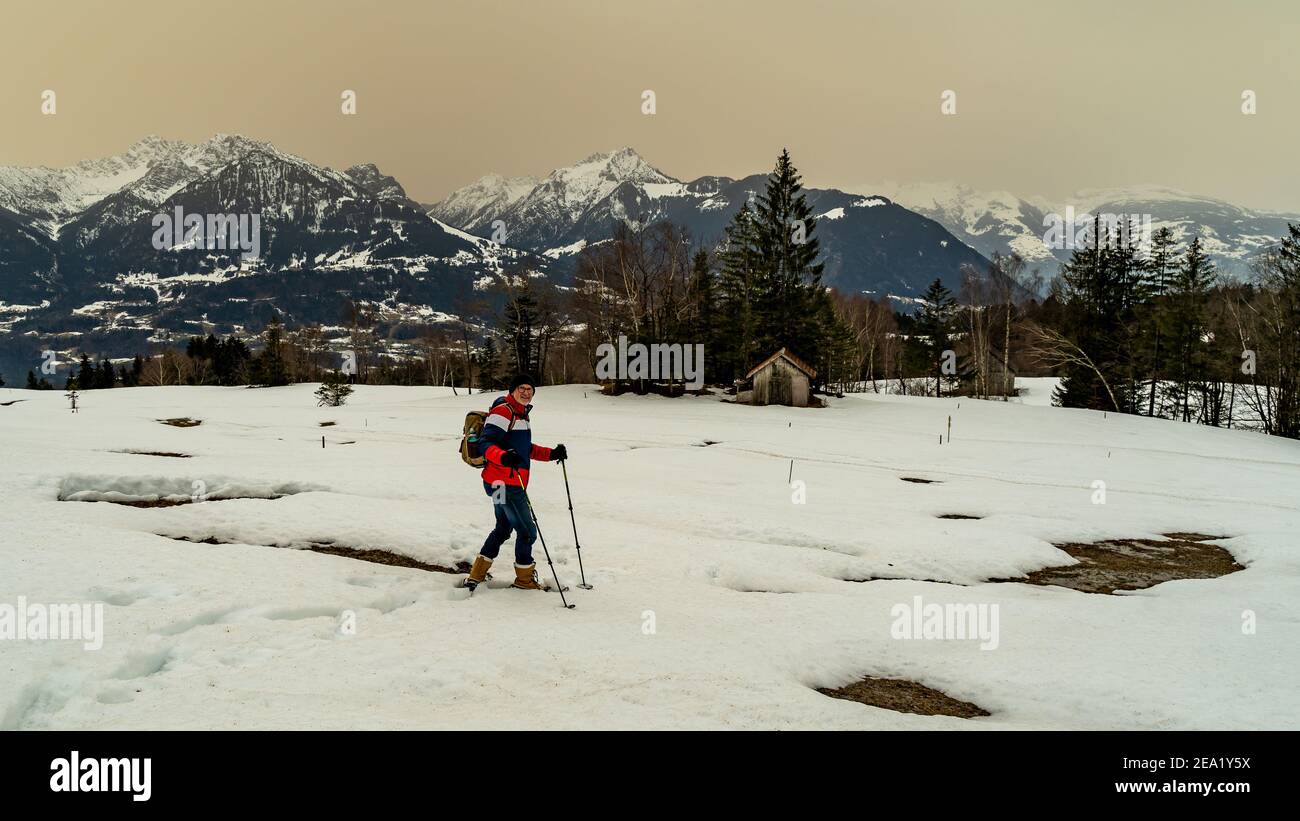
point(334, 390)
point(1098, 288)
point(87, 377)
point(700, 306)
point(933, 326)
point(105, 376)
point(790, 277)
point(1159, 268)
point(1184, 322)
point(737, 295)
point(269, 367)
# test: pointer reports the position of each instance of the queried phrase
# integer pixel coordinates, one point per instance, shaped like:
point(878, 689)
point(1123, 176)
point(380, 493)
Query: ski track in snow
point(752, 598)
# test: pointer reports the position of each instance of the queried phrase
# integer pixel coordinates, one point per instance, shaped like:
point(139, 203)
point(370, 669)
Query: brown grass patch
point(182, 422)
point(903, 696)
point(168, 454)
point(374, 556)
point(1135, 564)
point(172, 502)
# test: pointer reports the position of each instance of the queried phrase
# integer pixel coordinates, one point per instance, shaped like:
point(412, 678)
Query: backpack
point(471, 433)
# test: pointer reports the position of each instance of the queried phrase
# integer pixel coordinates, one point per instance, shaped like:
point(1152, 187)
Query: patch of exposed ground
point(1194, 537)
point(182, 422)
point(904, 696)
point(167, 453)
point(372, 555)
point(1135, 564)
point(172, 502)
point(900, 579)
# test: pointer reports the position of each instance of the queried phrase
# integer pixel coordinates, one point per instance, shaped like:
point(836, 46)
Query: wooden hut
point(782, 379)
point(1000, 378)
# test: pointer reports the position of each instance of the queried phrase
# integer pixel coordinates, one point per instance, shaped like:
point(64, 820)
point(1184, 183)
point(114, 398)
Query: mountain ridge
point(871, 251)
point(1000, 221)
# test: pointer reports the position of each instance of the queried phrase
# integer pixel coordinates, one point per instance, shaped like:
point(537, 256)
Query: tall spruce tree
point(1126, 277)
point(1184, 322)
point(836, 362)
point(87, 377)
point(130, 376)
point(790, 276)
point(106, 377)
point(1159, 269)
point(269, 368)
point(1098, 288)
point(769, 291)
point(933, 326)
point(521, 322)
point(700, 308)
point(736, 331)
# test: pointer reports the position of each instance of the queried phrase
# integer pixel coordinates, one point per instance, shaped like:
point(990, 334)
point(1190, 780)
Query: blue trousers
point(511, 508)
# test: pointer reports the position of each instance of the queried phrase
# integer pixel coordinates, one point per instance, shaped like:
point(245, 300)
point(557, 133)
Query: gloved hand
point(559, 454)
point(510, 459)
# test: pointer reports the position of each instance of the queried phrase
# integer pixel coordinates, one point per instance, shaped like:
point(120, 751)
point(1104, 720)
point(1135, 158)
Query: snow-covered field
point(719, 602)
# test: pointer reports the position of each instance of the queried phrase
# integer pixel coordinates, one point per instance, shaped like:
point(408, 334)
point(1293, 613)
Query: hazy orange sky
point(1051, 96)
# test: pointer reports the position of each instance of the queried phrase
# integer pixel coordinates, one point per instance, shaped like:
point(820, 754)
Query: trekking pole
point(538, 525)
point(574, 522)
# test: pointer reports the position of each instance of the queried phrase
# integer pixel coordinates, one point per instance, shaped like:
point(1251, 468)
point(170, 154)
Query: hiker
point(507, 445)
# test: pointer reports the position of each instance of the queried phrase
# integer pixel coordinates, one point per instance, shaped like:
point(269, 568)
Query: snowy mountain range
point(79, 268)
point(78, 260)
point(82, 267)
point(1000, 221)
point(870, 244)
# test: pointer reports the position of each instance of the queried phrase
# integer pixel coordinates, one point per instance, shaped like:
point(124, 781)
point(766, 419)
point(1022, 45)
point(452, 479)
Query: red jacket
point(507, 427)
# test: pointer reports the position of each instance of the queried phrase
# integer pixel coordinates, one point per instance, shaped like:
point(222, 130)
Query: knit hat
point(522, 379)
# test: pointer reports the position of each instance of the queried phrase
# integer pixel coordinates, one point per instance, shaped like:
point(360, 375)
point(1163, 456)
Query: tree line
point(1162, 333)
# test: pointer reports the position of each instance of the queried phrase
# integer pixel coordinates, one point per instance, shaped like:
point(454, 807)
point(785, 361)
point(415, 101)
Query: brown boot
point(478, 573)
point(526, 578)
